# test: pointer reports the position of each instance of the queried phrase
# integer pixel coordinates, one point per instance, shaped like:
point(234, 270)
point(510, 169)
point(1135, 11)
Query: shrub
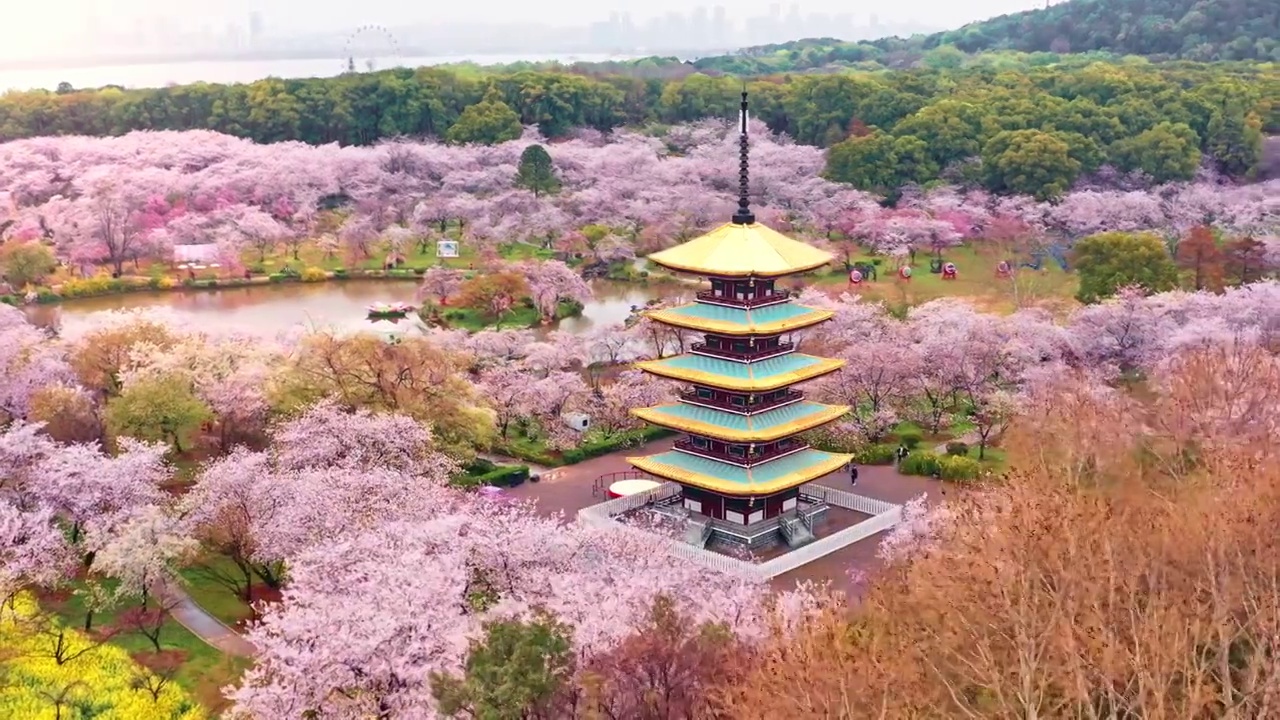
point(505, 476)
point(276, 277)
point(257, 269)
point(314, 274)
point(877, 454)
point(340, 272)
point(957, 448)
point(9, 300)
point(920, 463)
point(479, 466)
point(210, 283)
point(99, 284)
point(45, 295)
point(910, 439)
point(163, 282)
point(419, 271)
point(954, 467)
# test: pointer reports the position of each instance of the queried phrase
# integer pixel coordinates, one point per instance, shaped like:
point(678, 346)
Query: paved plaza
point(568, 489)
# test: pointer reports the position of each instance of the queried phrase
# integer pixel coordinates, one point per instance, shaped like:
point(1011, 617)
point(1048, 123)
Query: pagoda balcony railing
point(778, 296)
point(789, 397)
point(701, 348)
point(754, 459)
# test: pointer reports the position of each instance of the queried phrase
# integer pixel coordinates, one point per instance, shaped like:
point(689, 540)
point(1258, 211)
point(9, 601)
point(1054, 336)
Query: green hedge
point(947, 467)
point(10, 300)
point(276, 277)
point(505, 476)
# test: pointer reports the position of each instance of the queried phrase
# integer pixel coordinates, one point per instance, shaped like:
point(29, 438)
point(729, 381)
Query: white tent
point(206, 253)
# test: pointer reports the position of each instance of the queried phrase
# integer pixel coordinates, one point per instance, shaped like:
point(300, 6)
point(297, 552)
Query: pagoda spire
point(744, 215)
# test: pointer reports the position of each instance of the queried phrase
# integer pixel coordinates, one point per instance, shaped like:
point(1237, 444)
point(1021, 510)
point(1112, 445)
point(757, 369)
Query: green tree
point(26, 263)
point(868, 163)
point(488, 122)
point(517, 671)
point(950, 127)
point(162, 409)
point(536, 171)
point(1029, 162)
point(1109, 261)
point(1166, 152)
point(1234, 140)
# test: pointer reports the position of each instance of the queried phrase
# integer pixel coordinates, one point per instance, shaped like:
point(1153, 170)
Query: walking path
point(969, 439)
point(207, 627)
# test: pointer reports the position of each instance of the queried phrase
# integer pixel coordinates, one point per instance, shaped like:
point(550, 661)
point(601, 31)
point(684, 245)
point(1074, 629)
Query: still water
point(271, 309)
point(245, 71)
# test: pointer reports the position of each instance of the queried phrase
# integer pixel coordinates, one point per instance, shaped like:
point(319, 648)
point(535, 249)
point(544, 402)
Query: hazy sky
point(54, 27)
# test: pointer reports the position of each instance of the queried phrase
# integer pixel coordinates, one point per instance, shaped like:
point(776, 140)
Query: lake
point(245, 71)
point(339, 305)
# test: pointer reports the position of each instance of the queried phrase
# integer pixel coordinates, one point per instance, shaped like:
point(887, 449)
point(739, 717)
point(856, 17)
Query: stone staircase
point(697, 530)
point(795, 531)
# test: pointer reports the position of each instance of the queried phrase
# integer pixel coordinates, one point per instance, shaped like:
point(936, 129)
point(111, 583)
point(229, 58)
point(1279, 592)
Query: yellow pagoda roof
point(742, 250)
point(760, 376)
point(767, 320)
point(765, 478)
point(764, 426)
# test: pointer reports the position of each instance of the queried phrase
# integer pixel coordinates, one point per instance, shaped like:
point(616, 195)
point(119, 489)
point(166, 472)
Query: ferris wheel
point(368, 47)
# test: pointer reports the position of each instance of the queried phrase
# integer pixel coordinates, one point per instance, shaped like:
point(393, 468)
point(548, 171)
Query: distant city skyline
point(126, 27)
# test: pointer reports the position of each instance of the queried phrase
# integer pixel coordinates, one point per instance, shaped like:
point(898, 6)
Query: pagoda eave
point(727, 479)
point(736, 250)
point(675, 318)
point(814, 415)
point(775, 381)
point(723, 273)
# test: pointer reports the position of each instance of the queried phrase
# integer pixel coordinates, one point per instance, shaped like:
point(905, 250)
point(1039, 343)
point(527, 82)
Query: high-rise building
point(255, 28)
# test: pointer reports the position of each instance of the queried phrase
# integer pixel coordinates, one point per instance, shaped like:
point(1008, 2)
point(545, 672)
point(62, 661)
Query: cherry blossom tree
point(94, 493)
point(439, 283)
point(29, 363)
point(552, 282)
point(33, 550)
point(426, 588)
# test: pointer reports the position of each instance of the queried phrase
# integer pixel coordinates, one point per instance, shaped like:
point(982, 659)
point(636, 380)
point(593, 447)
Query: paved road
point(207, 627)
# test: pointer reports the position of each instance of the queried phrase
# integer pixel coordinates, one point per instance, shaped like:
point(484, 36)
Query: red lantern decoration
point(949, 271)
point(855, 277)
point(904, 272)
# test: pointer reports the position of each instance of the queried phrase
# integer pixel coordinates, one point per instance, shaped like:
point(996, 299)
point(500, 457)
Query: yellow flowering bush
point(102, 682)
point(314, 274)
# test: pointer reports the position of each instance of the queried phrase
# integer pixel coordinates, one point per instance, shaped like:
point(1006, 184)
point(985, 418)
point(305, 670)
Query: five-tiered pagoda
point(740, 459)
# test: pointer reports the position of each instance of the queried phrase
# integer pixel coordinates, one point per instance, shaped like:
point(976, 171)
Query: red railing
point(759, 353)
point(780, 449)
point(691, 397)
point(602, 483)
point(777, 297)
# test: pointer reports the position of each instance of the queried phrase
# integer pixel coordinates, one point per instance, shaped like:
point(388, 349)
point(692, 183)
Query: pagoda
point(740, 460)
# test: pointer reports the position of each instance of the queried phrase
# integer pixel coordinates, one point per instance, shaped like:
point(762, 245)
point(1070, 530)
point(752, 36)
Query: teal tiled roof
point(766, 472)
point(784, 415)
point(761, 370)
point(742, 316)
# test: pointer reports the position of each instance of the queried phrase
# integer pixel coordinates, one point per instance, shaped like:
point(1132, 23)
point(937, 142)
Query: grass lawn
point(204, 671)
point(975, 279)
point(217, 599)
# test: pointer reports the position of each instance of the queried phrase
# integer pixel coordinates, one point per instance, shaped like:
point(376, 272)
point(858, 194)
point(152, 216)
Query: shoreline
point(137, 285)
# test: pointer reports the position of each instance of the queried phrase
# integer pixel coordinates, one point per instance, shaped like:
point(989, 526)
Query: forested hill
point(1188, 29)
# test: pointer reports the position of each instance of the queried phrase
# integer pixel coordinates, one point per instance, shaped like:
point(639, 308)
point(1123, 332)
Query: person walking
point(853, 474)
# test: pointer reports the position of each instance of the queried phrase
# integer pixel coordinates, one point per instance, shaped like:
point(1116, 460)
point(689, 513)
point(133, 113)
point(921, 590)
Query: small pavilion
point(740, 461)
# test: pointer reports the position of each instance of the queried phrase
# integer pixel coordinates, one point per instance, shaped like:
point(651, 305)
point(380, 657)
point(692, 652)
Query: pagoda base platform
point(777, 545)
point(762, 535)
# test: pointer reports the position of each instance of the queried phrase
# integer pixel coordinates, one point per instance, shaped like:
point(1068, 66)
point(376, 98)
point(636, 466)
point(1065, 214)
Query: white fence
point(884, 516)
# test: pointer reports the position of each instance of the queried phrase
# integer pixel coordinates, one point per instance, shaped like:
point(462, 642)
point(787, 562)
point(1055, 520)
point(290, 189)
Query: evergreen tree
point(536, 172)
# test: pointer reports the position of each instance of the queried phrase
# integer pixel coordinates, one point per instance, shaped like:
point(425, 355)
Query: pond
point(270, 309)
